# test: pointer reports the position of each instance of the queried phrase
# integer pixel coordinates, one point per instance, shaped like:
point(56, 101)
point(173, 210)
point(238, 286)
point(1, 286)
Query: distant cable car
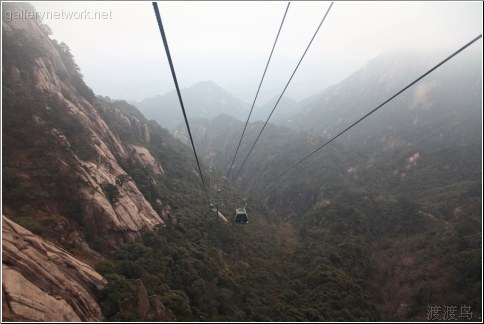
point(241, 216)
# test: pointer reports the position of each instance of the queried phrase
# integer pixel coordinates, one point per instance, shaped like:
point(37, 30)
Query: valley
point(105, 217)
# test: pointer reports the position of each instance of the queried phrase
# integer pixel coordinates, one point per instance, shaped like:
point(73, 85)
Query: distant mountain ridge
point(342, 103)
point(442, 102)
point(204, 99)
point(106, 217)
point(286, 108)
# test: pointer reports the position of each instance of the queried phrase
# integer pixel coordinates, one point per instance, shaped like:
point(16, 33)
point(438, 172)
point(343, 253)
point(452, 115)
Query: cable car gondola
point(241, 216)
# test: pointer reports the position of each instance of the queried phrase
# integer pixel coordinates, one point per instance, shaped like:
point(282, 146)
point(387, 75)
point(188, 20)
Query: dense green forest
point(358, 233)
point(321, 245)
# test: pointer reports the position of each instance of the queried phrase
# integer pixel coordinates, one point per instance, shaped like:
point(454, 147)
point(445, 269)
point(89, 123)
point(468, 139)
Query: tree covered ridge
point(324, 244)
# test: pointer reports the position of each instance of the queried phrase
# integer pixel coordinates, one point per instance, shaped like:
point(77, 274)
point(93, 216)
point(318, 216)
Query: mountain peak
point(203, 99)
point(207, 83)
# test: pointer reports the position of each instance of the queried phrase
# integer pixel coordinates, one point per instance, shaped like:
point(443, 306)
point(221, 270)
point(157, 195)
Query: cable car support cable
point(283, 91)
point(257, 94)
point(373, 111)
point(165, 43)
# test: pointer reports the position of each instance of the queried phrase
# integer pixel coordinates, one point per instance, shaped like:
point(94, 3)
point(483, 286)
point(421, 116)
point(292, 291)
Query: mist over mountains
point(427, 106)
point(204, 99)
point(106, 218)
point(424, 111)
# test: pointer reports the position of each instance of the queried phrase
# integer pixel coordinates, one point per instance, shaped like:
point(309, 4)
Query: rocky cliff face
point(147, 308)
point(56, 79)
point(42, 282)
point(79, 170)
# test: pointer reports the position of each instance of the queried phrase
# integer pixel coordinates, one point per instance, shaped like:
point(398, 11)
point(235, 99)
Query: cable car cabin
point(241, 216)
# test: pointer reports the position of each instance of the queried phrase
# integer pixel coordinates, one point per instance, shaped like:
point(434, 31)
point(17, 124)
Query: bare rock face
point(147, 308)
point(132, 214)
point(144, 158)
point(42, 282)
point(127, 217)
point(146, 134)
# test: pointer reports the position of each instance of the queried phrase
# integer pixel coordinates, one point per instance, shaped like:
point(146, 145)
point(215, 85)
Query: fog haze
point(229, 42)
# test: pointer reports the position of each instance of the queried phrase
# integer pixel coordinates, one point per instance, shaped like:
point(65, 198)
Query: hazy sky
point(229, 42)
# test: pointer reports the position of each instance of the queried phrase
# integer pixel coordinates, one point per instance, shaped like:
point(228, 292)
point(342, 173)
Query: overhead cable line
point(374, 110)
point(283, 91)
point(168, 55)
point(257, 94)
point(210, 184)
